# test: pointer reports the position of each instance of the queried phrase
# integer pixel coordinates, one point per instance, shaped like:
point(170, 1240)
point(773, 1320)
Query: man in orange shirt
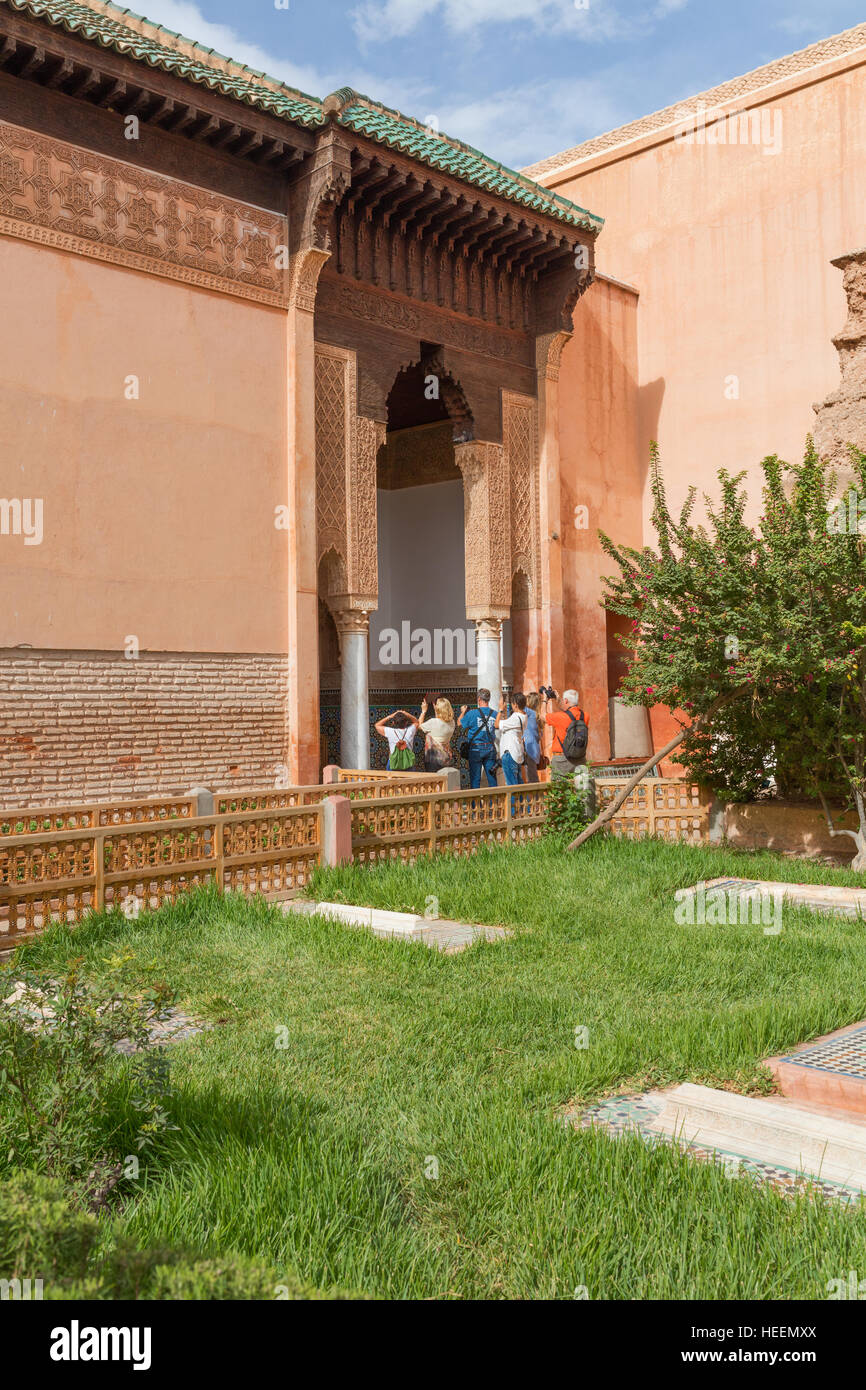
point(562, 719)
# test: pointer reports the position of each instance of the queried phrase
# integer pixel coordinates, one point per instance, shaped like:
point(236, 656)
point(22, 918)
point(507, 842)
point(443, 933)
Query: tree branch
point(853, 833)
point(648, 766)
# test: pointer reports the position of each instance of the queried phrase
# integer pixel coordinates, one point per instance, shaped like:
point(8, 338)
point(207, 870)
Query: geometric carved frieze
point(57, 194)
point(520, 438)
point(487, 528)
point(419, 456)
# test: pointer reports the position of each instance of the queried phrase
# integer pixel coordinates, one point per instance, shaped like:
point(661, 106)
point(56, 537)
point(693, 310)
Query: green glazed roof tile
point(452, 156)
point(258, 89)
point(97, 27)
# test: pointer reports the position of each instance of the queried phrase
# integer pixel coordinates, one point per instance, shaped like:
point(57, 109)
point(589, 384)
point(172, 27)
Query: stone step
point(815, 1145)
point(827, 1071)
point(439, 933)
point(745, 900)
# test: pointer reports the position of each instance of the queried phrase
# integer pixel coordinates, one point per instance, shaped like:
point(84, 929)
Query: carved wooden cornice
point(317, 191)
point(339, 297)
point(49, 57)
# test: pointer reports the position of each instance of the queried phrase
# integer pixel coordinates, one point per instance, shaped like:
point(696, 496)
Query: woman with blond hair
point(438, 733)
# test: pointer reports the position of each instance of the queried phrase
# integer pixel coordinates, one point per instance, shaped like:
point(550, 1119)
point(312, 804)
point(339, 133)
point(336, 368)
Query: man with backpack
point(570, 734)
point(479, 745)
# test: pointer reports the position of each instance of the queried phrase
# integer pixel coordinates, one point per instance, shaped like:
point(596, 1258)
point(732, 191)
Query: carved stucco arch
point(453, 394)
point(333, 583)
point(522, 588)
point(500, 486)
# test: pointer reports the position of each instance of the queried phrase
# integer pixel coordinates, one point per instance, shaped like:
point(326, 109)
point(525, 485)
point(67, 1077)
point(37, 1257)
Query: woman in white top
point(399, 730)
point(511, 747)
point(438, 735)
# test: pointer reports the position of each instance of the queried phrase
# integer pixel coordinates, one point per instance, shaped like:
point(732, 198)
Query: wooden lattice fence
point(669, 808)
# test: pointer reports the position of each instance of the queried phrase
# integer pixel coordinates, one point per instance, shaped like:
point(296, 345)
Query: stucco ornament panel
point(487, 522)
point(333, 444)
point(59, 195)
point(363, 522)
point(346, 448)
point(304, 272)
point(520, 439)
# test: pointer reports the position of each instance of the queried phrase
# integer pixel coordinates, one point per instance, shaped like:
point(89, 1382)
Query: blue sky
point(520, 79)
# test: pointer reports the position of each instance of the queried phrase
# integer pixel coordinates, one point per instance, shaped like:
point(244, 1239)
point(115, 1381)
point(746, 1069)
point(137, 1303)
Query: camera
point(547, 691)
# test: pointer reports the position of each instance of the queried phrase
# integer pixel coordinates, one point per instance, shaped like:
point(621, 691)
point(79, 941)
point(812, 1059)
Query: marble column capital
point(348, 620)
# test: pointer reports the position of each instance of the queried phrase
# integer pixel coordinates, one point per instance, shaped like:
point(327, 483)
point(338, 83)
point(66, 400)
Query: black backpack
point(575, 739)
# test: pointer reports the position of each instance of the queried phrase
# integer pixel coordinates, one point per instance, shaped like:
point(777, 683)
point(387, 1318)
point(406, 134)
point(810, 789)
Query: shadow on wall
point(649, 409)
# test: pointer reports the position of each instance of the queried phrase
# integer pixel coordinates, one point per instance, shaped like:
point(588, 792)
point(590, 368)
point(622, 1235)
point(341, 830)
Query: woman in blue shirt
point(531, 737)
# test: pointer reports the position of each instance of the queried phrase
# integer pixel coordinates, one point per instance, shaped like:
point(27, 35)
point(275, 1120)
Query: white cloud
point(564, 112)
point(597, 20)
point(800, 24)
point(185, 17)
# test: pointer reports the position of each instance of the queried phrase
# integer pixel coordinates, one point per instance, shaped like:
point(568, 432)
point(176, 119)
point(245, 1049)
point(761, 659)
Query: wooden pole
point(648, 766)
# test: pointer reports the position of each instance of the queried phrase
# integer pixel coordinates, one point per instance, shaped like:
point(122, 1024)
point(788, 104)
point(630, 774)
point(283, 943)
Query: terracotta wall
point(600, 471)
point(729, 247)
point(158, 512)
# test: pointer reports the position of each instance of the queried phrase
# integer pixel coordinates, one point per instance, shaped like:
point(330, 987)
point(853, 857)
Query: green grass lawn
point(313, 1157)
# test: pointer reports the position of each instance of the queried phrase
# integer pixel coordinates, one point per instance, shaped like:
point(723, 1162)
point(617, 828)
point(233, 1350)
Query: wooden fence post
point(99, 871)
point(335, 831)
point(219, 852)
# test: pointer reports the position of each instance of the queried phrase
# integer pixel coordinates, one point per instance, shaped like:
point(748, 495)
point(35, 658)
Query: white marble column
point(488, 637)
point(353, 628)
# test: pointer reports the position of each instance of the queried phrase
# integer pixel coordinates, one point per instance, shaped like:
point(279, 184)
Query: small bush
point(43, 1236)
point(569, 808)
point(60, 1066)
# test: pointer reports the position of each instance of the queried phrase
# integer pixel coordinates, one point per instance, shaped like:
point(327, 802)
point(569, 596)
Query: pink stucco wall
point(600, 470)
point(729, 247)
point(158, 512)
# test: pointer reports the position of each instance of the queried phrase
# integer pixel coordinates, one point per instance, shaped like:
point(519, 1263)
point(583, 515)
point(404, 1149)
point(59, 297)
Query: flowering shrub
point(758, 634)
